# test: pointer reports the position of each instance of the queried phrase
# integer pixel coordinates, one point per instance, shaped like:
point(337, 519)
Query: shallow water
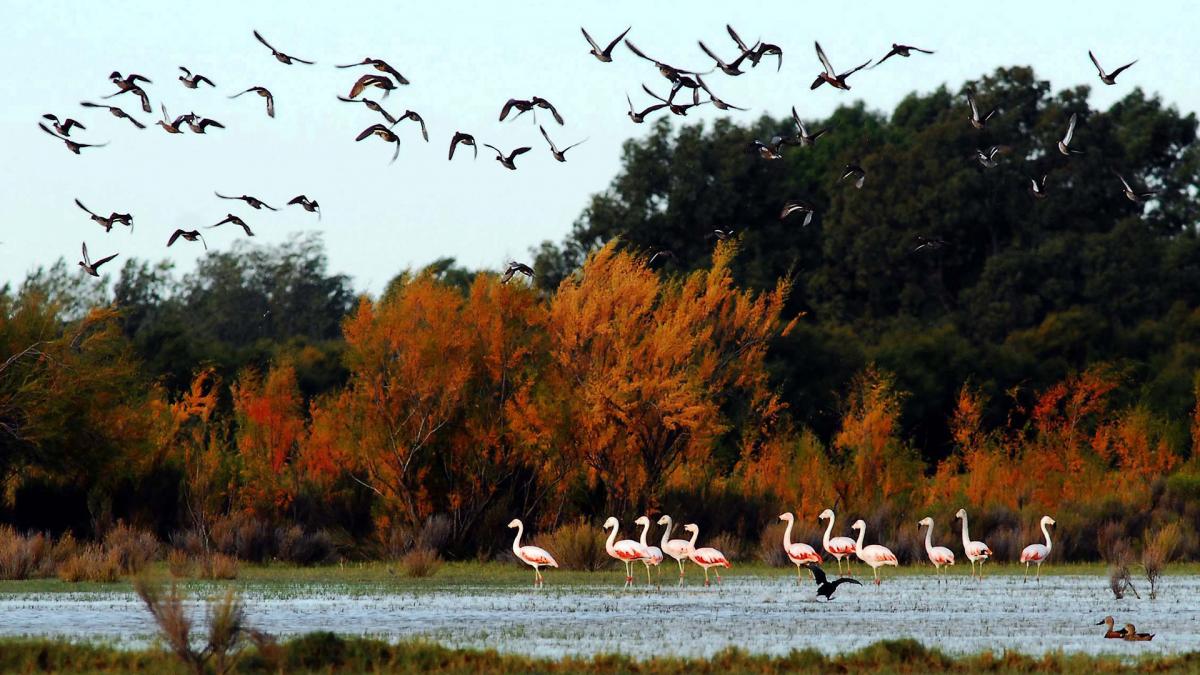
point(759, 614)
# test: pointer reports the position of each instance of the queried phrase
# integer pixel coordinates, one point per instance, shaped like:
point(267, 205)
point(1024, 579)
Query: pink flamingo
point(531, 555)
point(798, 553)
point(705, 557)
point(874, 555)
point(975, 550)
point(679, 549)
point(838, 547)
point(654, 555)
point(938, 555)
point(627, 551)
point(1037, 553)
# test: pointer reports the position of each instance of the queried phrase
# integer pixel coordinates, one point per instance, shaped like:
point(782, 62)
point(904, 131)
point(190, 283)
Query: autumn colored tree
point(269, 413)
point(877, 465)
point(794, 468)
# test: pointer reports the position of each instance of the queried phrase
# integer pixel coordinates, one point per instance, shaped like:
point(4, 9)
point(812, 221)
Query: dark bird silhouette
point(677, 76)
point(988, 157)
point(280, 56)
point(465, 139)
point(768, 49)
point(307, 204)
point(1135, 196)
point(263, 92)
point(603, 55)
point(978, 121)
point(804, 138)
point(835, 79)
point(171, 126)
point(665, 255)
point(141, 93)
point(91, 267)
point(1064, 146)
point(516, 268)
point(523, 106)
point(254, 202)
point(198, 124)
point(1109, 78)
point(929, 243)
point(712, 98)
point(540, 102)
point(900, 50)
point(1037, 188)
point(856, 172)
point(412, 115)
point(73, 146)
point(676, 108)
point(751, 52)
point(384, 133)
point(370, 80)
point(825, 587)
point(371, 105)
point(733, 68)
point(230, 218)
point(772, 150)
point(63, 127)
point(189, 235)
point(107, 223)
point(380, 65)
point(722, 235)
point(192, 81)
point(508, 162)
point(798, 206)
point(639, 117)
point(115, 112)
point(127, 82)
point(560, 155)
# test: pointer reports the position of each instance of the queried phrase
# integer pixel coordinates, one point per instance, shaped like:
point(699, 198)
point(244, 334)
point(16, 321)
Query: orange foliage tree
point(793, 467)
point(270, 430)
point(876, 463)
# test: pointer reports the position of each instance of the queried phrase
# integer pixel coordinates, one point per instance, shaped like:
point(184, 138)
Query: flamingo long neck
point(828, 529)
point(1047, 533)
point(612, 537)
point(929, 539)
point(966, 537)
point(787, 534)
point(695, 536)
point(862, 533)
point(645, 531)
point(517, 541)
point(666, 536)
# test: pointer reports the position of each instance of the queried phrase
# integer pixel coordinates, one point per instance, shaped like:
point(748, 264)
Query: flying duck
point(230, 218)
point(370, 80)
point(540, 102)
point(64, 127)
point(189, 235)
point(91, 267)
point(734, 67)
point(127, 82)
point(384, 133)
point(412, 115)
point(825, 587)
point(507, 162)
point(465, 139)
point(639, 117)
point(73, 146)
point(124, 88)
point(772, 150)
point(1037, 188)
point(198, 124)
point(664, 254)
point(254, 202)
point(712, 98)
point(978, 121)
point(280, 56)
point(560, 155)
point(930, 243)
point(676, 108)
point(380, 65)
point(988, 157)
point(193, 81)
point(1109, 78)
point(900, 50)
point(835, 80)
point(1135, 196)
point(798, 206)
point(1064, 146)
point(806, 139)
point(677, 76)
point(516, 268)
point(115, 112)
point(768, 49)
point(603, 55)
point(307, 204)
point(107, 223)
point(722, 235)
point(523, 106)
point(371, 105)
point(171, 127)
point(856, 172)
point(263, 92)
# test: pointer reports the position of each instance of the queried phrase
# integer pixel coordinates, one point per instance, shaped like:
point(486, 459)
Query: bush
point(770, 546)
point(576, 546)
point(435, 533)
point(180, 564)
point(132, 549)
point(91, 563)
point(20, 556)
point(1158, 552)
point(218, 566)
point(421, 562)
point(294, 545)
point(728, 544)
point(244, 537)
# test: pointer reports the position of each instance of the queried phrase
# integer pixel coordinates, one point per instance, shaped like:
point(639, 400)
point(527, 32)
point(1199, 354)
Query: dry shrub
point(770, 546)
point(435, 533)
point(218, 566)
point(1159, 551)
point(244, 537)
point(908, 543)
point(132, 549)
point(1005, 541)
point(188, 541)
point(294, 545)
point(64, 549)
point(729, 544)
point(180, 564)
point(20, 556)
point(91, 563)
point(576, 546)
point(420, 563)
point(226, 627)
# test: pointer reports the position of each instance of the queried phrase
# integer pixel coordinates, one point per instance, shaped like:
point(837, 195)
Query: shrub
point(770, 546)
point(180, 564)
point(728, 544)
point(132, 549)
point(20, 556)
point(226, 627)
point(576, 546)
point(1158, 552)
point(218, 566)
point(421, 562)
point(294, 545)
point(90, 563)
point(435, 533)
point(244, 537)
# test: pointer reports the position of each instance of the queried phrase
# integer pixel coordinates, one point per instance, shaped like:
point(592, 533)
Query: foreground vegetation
point(326, 652)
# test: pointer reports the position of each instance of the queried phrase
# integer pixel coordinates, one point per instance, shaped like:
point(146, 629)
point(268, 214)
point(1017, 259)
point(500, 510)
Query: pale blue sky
point(464, 61)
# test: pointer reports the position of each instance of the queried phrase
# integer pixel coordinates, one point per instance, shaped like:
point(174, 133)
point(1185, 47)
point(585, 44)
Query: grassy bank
point(381, 576)
point(325, 652)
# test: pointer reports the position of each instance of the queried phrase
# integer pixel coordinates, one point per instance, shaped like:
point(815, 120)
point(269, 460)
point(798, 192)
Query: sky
point(464, 61)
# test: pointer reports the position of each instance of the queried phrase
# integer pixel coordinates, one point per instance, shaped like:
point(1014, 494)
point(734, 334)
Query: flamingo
point(938, 555)
point(531, 555)
point(838, 547)
point(705, 557)
point(975, 550)
point(627, 551)
point(798, 553)
point(874, 555)
point(654, 555)
point(1037, 553)
point(679, 549)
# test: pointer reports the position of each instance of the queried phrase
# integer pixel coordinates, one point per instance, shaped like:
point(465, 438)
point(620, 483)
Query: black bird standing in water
point(825, 587)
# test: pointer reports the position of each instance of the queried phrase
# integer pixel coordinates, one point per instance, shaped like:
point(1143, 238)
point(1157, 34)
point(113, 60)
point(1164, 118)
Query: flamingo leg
point(981, 569)
point(799, 579)
point(1026, 573)
point(1039, 572)
point(718, 573)
point(680, 561)
point(647, 573)
point(706, 583)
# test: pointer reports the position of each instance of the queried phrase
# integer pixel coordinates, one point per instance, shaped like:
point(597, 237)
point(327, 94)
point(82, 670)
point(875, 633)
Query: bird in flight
point(189, 235)
point(465, 139)
point(254, 202)
point(772, 150)
point(134, 89)
point(384, 133)
point(263, 92)
point(856, 172)
point(63, 127)
point(307, 204)
point(733, 68)
point(978, 121)
point(806, 139)
point(516, 268)
point(665, 254)
point(115, 112)
point(280, 56)
point(412, 115)
point(198, 124)
point(371, 105)
point(722, 235)
point(91, 267)
point(508, 162)
point(1037, 187)
point(1064, 146)
point(560, 155)
point(107, 223)
point(835, 79)
point(900, 50)
point(639, 117)
point(371, 80)
point(713, 99)
point(522, 107)
point(603, 55)
point(193, 81)
point(677, 76)
point(380, 65)
point(929, 243)
point(988, 157)
point(171, 127)
point(230, 218)
point(1109, 78)
point(825, 587)
point(676, 108)
point(798, 206)
point(73, 146)
point(1135, 196)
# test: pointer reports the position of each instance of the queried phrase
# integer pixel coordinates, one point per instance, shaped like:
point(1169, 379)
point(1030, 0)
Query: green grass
point(373, 577)
point(326, 652)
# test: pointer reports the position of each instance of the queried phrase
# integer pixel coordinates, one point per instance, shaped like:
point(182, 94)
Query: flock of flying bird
point(388, 79)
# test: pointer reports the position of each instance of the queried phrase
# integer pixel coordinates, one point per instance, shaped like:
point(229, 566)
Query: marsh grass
point(226, 626)
point(218, 566)
point(420, 563)
point(91, 562)
point(576, 546)
point(1159, 551)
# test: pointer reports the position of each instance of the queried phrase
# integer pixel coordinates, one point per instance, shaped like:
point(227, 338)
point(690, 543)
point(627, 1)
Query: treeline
point(1043, 360)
